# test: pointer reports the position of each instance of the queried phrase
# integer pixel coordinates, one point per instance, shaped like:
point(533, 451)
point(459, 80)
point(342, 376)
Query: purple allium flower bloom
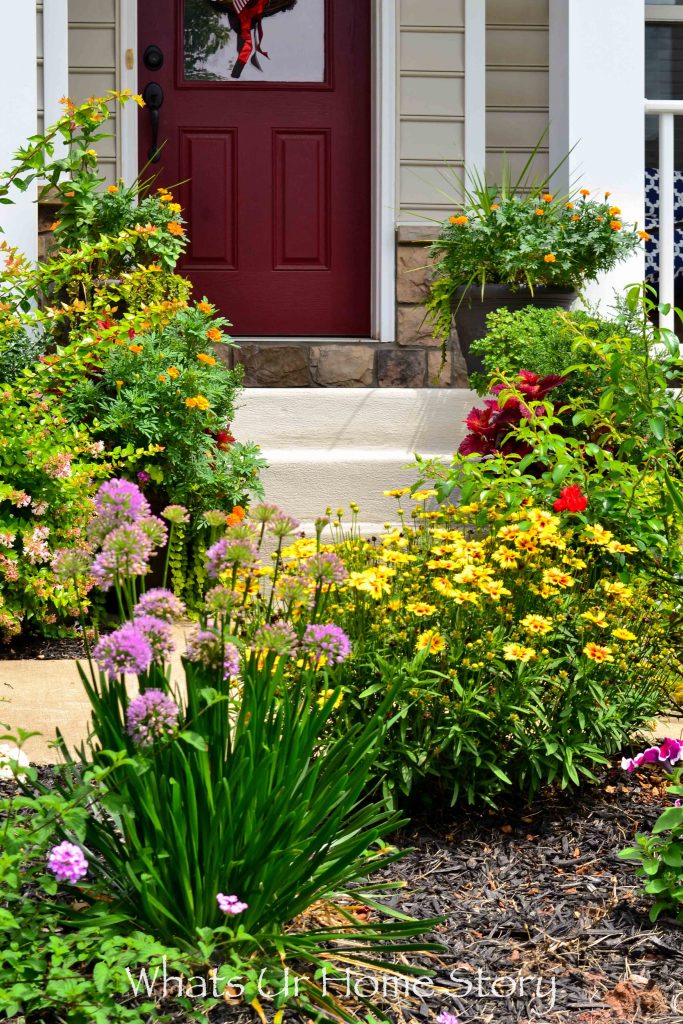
point(117, 502)
point(328, 643)
point(153, 528)
point(160, 603)
point(67, 863)
point(176, 514)
point(151, 716)
point(278, 637)
point(222, 601)
point(294, 590)
point(264, 513)
point(125, 553)
point(283, 526)
point(226, 553)
point(230, 904)
point(667, 755)
point(205, 647)
point(325, 567)
point(158, 634)
point(125, 650)
point(214, 517)
point(70, 563)
point(447, 1018)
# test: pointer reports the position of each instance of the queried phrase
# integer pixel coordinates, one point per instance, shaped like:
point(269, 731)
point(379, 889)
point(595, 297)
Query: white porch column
point(18, 115)
point(597, 92)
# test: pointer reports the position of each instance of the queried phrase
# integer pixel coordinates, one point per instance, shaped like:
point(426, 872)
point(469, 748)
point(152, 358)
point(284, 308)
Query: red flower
point(223, 439)
point(571, 500)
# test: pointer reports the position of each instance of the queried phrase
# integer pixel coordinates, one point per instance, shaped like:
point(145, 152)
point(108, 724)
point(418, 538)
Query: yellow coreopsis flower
point(517, 652)
point(430, 640)
point(556, 578)
point(623, 634)
point(536, 624)
point(597, 653)
point(421, 608)
point(596, 617)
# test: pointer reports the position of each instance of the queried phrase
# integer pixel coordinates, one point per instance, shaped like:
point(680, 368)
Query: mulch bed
point(23, 648)
point(543, 922)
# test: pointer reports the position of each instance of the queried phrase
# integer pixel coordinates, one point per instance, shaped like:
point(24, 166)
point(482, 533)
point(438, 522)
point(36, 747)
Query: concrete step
point(329, 446)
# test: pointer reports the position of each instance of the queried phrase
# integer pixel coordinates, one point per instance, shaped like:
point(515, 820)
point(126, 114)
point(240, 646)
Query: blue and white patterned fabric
point(652, 224)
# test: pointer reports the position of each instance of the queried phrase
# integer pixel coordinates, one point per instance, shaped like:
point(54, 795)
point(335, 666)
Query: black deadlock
point(153, 58)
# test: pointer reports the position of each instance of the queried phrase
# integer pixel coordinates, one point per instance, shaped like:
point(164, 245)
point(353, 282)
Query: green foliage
point(49, 471)
point(164, 387)
point(527, 239)
point(620, 441)
point(542, 340)
point(207, 32)
point(660, 858)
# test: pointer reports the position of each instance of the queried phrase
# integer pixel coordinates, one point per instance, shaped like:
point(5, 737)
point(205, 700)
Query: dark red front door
point(274, 152)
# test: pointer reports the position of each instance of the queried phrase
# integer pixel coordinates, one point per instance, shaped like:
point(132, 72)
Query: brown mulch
point(544, 923)
point(25, 648)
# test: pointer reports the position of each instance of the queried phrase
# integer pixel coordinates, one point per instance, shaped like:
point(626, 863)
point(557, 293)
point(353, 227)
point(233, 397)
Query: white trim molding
point(18, 117)
point(475, 86)
point(596, 112)
point(385, 160)
point(127, 40)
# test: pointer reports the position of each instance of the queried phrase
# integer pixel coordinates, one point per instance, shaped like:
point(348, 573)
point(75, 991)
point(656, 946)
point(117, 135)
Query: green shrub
point(542, 340)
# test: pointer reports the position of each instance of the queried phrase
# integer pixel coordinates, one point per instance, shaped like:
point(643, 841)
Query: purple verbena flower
point(158, 634)
point(160, 603)
point(328, 644)
point(325, 567)
point(67, 863)
point(667, 755)
point(151, 716)
point(230, 904)
point(278, 637)
point(125, 650)
point(227, 553)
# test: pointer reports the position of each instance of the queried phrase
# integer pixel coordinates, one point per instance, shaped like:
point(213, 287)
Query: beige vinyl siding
point(92, 63)
point(516, 84)
point(431, 105)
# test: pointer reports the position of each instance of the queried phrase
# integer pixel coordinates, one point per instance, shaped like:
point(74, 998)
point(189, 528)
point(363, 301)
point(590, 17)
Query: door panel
point(274, 175)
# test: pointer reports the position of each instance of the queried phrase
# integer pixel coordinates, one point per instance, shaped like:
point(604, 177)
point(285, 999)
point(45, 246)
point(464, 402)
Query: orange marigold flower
point(613, 210)
point(175, 207)
point(205, 307)
point(173, 372)
point(163, 378)
point(165, 197)
point(113, 189)
point(585, 192)
point(569, 206)
point(55, 224)
point(607, 195)
point(547, 198)
point(644, 236)
point(540, 212)
point(600, 219)
point(69, 195)
point(135, 348)
point(204, 358)
point(576, 217)
point(119, 383)
point(213, 334)
point(550, 258)
point(495, 206)
point(198, 402)
point(236, 516)
point(460, 221)
point(174, 228)
point(616, 225)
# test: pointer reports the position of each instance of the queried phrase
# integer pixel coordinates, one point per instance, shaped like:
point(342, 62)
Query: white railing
point(666, 111)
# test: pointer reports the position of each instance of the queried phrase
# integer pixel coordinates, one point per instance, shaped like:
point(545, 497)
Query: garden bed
point(535, 899)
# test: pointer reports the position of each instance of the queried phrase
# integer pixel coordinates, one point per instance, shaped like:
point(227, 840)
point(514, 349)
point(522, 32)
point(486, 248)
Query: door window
point(254, 41)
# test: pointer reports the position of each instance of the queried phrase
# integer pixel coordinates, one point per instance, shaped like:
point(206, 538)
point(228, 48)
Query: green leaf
point(672, 817)
point(193, 739)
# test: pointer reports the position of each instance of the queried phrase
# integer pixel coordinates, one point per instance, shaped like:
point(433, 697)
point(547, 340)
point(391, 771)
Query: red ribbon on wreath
point(250, 13)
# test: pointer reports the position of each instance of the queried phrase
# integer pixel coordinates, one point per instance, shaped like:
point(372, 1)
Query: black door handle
point(154, 99)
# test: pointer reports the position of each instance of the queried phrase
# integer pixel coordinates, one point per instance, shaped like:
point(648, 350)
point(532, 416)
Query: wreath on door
point(246, 20)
